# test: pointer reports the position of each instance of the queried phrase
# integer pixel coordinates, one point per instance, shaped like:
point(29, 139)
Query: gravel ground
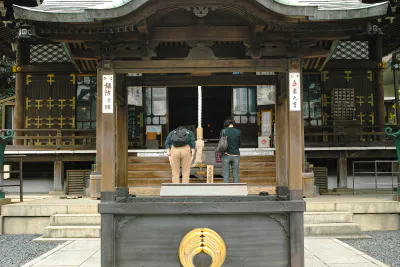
point(16, 250)
point(384, 246)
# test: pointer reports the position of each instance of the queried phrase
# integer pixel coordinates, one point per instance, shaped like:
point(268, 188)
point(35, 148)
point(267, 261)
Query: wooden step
point(167, 167)
point(149, 166)
point(133, 159)
point(155, 190)
point(159, 181)
point(148, 160)
point(163, 174)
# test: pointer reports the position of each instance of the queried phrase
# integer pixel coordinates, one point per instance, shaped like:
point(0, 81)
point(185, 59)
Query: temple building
point(179, 63)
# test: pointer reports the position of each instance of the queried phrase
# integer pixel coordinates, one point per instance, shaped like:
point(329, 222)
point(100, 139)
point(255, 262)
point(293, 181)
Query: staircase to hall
point(73, 226)
point(146, 174)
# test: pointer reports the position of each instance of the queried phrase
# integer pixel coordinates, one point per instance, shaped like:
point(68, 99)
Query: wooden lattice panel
point(343, 103)
point(76, 181)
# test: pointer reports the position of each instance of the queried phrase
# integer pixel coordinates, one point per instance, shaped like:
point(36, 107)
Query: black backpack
point(180, 137)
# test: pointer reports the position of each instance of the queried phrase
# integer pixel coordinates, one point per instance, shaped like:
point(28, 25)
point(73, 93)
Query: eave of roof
point(97, 10)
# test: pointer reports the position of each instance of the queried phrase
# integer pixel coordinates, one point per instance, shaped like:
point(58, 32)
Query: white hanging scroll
point(135, 96)
point(108, 88)
point(294, 91)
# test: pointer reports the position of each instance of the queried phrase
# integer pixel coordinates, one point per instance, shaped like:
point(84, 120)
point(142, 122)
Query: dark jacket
point(191, 140)
point(234, 140)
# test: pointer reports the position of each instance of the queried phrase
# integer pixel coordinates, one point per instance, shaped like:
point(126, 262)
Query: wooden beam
point(99, 122)
point(351, 64)
point(282, 140)
point(377, 56)
point(108, 145)
point(296, 134)
point(47, 67)
point(93, 37)
point(199, 66)
point(19, 110)
point(122, 138)
point(301, 52)
point(201, 32)
point(194, 81)
point(281, 36)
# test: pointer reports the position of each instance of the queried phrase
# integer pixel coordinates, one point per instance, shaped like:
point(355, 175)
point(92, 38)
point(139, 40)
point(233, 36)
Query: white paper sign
point(266, 124)
point(135, 96)
point(294, 91)
point(108, 88)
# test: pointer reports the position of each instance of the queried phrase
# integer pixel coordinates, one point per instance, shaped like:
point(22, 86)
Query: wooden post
point(122, 139)
point(58, 175)
point(342, 171)
point(296, 132)
point(296, 152)
point(108, 108)
point(99, 120)
point(19, 114)
point(282, 138)
point(379, 90)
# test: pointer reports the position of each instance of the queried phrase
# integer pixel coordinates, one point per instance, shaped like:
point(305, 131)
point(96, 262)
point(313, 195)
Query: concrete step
point(327, 217)
point(332, 229)
point(75, 219)
point(92, 231)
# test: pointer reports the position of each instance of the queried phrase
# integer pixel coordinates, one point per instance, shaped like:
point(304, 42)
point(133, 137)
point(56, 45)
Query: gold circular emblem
point(202, 240)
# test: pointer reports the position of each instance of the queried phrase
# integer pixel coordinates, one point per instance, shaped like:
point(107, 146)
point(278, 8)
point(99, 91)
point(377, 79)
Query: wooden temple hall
point(105, 81)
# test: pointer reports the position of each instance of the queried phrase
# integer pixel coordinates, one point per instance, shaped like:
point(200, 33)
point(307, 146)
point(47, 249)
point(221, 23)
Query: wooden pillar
point(108, 148)
point(296, 152)
point(282, 137)
point(379, 90)
point(342, 171)
point(122, 140)
point(296, 131)
point(19, 114)
point(99, 121)
point(58, 175)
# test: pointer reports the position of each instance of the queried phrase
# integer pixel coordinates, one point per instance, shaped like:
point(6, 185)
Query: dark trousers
point(227, 161)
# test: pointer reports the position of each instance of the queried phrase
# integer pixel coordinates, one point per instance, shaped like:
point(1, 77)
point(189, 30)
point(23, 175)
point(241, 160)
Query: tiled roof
point(329, 4)
point(89, 10)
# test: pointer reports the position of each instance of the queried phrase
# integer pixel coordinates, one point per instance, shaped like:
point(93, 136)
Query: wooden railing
point(54, 138)
point(347, 135)
point(313, 135)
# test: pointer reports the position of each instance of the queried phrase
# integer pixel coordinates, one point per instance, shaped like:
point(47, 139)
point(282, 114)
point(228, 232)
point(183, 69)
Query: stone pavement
point(319, 252)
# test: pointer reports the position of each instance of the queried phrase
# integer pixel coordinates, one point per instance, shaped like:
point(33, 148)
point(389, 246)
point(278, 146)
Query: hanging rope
point(200, 107)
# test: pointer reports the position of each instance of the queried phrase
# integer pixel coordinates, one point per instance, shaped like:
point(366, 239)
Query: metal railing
point(376, 173)
point(19, 159)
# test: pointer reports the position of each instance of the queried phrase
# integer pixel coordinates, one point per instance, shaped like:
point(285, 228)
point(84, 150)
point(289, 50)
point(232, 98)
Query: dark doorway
point(216, 108)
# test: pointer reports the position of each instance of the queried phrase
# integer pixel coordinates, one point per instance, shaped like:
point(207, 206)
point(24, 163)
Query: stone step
point(332, 229)
point(75, 219)
point(92, 231)
point(327, 217)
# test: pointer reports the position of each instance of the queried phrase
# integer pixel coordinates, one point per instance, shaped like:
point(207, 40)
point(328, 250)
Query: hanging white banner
point(294, 91)
point(135, 96)
point(108, 88)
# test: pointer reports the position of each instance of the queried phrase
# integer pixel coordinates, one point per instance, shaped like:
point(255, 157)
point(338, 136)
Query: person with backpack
point(229, 144)
point(180, 145)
